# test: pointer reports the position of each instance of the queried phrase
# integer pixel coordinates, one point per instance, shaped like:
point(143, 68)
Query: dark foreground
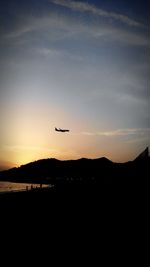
point(96, 204)
point(77, 198)
point(82, 221)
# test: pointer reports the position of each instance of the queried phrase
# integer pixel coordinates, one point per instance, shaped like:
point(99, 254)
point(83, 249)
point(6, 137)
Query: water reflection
point(9, 187)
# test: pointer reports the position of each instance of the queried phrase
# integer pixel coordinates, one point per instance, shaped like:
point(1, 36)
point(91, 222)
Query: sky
point(80, 65)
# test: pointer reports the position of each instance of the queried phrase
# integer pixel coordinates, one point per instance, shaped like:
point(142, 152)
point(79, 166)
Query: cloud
point(52, 27)
point(124, 132)
point(19, 32)
point(60, 53)
point(85, 7)
point(143, 132)
point(130, 38)
point(26, 148)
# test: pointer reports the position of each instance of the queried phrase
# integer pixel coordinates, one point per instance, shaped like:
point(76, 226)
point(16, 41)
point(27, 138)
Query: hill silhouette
point(84, 170)
point(86, 190)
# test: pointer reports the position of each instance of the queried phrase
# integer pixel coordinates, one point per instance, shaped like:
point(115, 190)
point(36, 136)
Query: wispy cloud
point(26, 148)
point(121, 132)
point(53, 27)
point(52, 52)
point(85, 7)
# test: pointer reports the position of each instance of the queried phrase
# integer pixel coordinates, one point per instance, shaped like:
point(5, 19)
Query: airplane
point(61, 130)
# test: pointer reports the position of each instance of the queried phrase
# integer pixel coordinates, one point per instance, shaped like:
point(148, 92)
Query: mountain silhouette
point(143, 156)
point(99, 171)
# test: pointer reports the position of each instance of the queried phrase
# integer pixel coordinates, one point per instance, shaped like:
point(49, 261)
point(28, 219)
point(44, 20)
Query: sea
point(15, 187)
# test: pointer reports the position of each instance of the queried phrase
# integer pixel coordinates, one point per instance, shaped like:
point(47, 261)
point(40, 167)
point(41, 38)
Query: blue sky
point(84, 65)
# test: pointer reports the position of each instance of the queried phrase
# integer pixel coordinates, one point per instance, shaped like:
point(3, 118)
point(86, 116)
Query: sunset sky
point(80, 65)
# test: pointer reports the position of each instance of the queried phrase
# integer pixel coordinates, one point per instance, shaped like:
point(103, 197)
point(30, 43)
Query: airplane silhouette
point(61, 130)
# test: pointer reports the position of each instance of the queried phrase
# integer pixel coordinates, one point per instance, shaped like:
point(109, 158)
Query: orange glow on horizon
point(30, 136)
